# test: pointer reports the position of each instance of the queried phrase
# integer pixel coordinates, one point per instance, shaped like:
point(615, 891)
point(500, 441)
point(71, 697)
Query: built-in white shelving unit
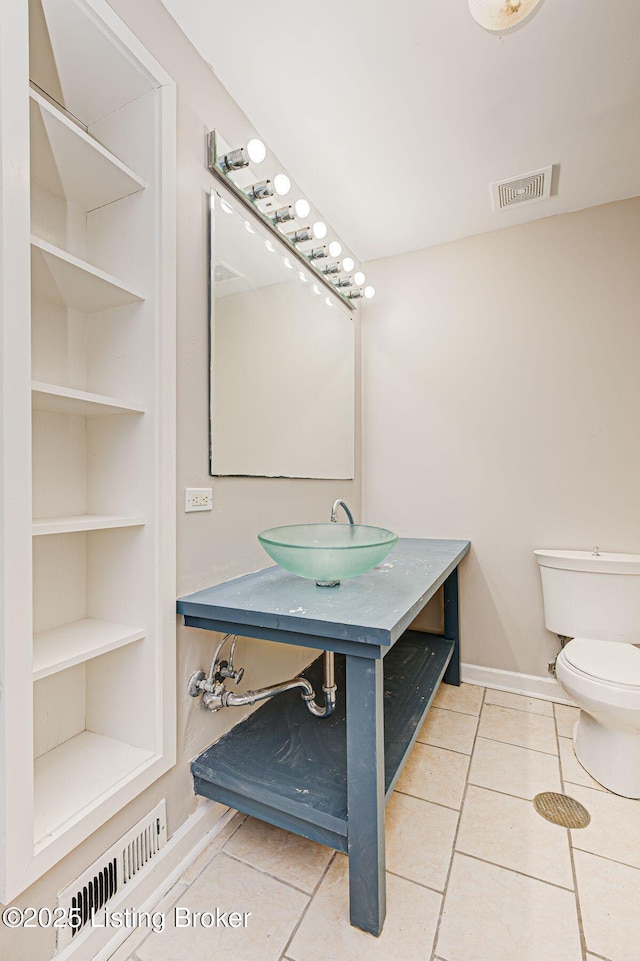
point(87, 720)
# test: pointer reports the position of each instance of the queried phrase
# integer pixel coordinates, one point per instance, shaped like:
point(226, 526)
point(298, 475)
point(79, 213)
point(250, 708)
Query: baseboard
point(182, 848)
point(546, 688)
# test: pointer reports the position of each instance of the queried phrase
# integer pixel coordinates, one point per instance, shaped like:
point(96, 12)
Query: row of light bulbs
point(255, 152)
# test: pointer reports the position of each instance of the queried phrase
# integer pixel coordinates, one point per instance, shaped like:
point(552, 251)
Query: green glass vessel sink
point(327, 553)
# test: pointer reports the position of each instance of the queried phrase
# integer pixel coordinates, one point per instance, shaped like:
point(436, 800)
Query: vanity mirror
point(282, 361)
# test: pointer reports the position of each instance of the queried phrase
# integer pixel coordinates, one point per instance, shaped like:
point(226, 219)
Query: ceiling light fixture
point(335, 249)
point(348, 264)
point(498, 16)
point(369, 292)
point(359, 278)
point(319, 230)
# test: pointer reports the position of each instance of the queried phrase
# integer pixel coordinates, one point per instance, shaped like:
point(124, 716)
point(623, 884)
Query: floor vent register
point(106, 879)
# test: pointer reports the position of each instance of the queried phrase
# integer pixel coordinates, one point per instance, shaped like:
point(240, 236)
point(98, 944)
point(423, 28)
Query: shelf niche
point(69, 163)
point(84, 745)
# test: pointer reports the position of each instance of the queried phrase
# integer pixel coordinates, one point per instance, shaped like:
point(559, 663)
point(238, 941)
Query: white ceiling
point(395, 115)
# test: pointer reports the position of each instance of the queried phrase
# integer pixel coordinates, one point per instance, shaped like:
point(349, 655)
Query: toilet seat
point(612, 663)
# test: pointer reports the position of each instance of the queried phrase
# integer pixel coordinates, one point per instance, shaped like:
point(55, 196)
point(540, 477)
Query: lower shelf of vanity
point(289, 768)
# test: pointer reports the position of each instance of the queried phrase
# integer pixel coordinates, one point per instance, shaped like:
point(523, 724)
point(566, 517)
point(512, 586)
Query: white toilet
point(594, 599)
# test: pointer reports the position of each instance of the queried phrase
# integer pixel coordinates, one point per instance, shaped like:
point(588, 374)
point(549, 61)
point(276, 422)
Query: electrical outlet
point(198, 499)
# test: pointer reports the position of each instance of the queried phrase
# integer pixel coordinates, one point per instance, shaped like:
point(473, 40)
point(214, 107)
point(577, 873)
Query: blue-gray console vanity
point(329, 779)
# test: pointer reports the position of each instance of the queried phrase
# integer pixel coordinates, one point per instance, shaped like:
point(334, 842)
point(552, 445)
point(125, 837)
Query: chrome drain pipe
point(215, 695)
point(328, 688)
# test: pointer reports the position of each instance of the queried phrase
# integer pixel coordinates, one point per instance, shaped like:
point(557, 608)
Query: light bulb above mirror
point(302, 208)
point(256, 150)
point(281, 184)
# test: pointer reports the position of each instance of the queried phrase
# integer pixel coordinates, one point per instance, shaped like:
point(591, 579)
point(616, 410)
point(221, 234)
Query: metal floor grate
point(561, 809)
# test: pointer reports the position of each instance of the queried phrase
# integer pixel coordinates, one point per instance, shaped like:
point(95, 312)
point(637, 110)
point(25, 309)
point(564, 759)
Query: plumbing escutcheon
point(195, 681)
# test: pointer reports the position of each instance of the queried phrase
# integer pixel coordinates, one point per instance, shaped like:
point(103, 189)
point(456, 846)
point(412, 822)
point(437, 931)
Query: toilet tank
point(592, 596)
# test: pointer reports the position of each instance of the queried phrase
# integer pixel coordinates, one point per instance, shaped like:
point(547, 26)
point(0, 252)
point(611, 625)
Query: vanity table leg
point(452, 626)
point(365, 793)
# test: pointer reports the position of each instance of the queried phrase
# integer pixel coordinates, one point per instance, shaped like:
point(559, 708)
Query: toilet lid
point(606, 660)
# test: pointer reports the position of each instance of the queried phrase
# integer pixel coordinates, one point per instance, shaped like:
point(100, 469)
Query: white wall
point(501, 404)
point(216, 546)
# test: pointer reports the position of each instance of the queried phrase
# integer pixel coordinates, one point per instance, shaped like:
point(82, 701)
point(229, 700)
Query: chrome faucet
point(334, 512)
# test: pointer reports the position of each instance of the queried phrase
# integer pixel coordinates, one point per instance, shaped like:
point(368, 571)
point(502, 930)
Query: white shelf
point(78, 774)
point(67, 400)
point(68, 162)
point(83, 522)
point(62, 647)
point(60, 278)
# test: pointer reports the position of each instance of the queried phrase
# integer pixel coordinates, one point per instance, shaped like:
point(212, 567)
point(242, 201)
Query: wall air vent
point(223, 273)
point(526, 189)
point(108, 877)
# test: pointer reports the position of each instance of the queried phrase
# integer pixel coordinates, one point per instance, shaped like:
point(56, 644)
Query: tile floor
point(473, 872)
